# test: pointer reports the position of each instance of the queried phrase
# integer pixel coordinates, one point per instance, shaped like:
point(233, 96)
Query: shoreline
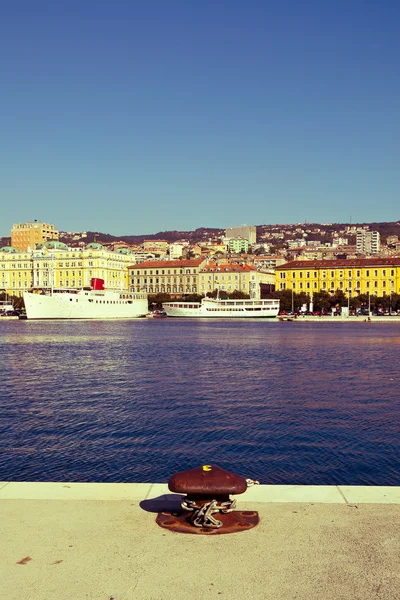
point(329, 319)
point(326, 494)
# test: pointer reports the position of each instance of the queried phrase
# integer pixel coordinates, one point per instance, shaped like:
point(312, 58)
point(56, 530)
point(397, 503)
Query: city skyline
point(132, 120)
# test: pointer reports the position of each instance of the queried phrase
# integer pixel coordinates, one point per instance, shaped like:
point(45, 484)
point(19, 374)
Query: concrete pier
point(101, 542)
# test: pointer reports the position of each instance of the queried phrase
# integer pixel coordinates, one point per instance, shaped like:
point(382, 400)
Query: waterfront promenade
point(101, 542)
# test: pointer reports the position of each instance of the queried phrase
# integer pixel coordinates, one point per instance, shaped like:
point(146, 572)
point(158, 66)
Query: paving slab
point(113, 549)
point(373, 494)
point(74, 491)
point(294, 493)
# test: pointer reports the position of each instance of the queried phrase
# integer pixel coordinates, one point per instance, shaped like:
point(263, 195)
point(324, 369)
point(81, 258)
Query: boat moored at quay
point(92, 302)
point(216, 308)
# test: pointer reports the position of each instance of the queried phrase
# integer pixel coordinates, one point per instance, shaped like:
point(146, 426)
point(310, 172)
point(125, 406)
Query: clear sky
point(131, 117)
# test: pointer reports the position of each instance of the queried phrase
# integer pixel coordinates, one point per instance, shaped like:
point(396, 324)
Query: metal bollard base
point(233, 522)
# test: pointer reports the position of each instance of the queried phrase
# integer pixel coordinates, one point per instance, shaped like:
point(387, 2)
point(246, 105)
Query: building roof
point(340, 262)
point(155, 241)
point(95, 246)
point(226, 268)
point(8, 249)
point(123, 251)
point(168, 264)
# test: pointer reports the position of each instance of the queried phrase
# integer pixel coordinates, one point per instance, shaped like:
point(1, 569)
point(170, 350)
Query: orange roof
point(340, 262)
point(226, 268)
point(156, 241)
point(168, 264)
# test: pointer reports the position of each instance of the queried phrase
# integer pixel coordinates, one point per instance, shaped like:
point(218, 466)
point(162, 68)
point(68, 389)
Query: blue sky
point(128, 117)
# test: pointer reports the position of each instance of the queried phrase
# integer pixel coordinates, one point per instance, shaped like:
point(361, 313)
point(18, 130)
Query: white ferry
point(87, 303)
point(217, 308)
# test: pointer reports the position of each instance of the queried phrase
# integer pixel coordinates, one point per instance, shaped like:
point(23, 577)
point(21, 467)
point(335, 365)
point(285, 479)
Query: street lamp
point(348, 296)
point(292, 300)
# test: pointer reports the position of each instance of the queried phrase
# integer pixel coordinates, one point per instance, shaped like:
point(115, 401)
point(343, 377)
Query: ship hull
point(85, 305)
point(224, 309)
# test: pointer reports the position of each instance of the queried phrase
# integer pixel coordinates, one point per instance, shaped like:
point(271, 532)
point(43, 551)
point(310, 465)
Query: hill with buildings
point(276, 236)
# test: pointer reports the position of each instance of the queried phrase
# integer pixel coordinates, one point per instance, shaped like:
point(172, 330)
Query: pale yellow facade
point(196, 276)
point(231, 277)
point(163, 276)
point(25, 236)
point(56, 265)
point(378, 277)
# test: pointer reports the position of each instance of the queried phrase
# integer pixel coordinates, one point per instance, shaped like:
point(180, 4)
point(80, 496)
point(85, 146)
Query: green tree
point(339, 299)
point(322, 300)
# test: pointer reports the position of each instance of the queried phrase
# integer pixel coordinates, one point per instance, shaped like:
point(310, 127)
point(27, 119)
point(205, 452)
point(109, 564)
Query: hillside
point(324, 231)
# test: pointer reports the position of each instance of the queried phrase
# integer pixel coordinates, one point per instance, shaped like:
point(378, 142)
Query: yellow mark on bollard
point(207, 468)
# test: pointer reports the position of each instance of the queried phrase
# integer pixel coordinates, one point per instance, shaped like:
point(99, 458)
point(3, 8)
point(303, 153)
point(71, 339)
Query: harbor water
point(135, 401)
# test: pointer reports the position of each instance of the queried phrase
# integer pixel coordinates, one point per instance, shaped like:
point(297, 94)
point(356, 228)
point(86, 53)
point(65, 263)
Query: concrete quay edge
point(339, 319)
point(325, 494)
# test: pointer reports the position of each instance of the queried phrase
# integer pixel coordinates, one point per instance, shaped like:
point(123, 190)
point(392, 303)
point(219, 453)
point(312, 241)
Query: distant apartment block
point(176, 250)
point(248, 232)
point(25, 236)
point(340, 241)
point(299, 243)
point(238, 245)
point(368, 242)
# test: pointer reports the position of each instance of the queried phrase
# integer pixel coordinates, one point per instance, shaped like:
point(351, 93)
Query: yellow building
point(15, 271)
point(165, 276)
point(196, 276)
point(53, 264)
point(229, 277)
point(25, 236)
point(376, 276)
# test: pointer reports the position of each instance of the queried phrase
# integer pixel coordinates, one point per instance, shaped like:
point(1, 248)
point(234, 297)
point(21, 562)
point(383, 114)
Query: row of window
point(340, 285)
point(223, 287)
point(165, 271)
point(333, 274)
point(168, 289)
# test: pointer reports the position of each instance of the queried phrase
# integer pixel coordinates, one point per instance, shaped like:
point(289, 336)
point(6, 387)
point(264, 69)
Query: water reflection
point(136, 401)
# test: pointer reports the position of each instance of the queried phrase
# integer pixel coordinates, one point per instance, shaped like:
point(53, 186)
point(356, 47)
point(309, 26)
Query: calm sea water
point(131, 401)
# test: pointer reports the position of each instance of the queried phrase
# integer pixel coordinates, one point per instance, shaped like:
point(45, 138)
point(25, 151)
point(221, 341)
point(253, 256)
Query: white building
point(368, 242)
point(248, 232)
point(176, 250)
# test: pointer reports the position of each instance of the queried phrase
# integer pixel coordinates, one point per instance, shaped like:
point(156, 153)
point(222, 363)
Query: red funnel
point(97, 284)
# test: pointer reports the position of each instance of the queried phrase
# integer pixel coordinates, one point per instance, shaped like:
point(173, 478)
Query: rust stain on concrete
point(23, 561)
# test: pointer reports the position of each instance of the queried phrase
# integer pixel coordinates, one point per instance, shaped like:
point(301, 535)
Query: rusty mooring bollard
point(207, 490)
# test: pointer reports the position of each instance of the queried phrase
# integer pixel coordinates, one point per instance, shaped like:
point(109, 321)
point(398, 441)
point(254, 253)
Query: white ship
point(88, 303)
point(217, 308)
